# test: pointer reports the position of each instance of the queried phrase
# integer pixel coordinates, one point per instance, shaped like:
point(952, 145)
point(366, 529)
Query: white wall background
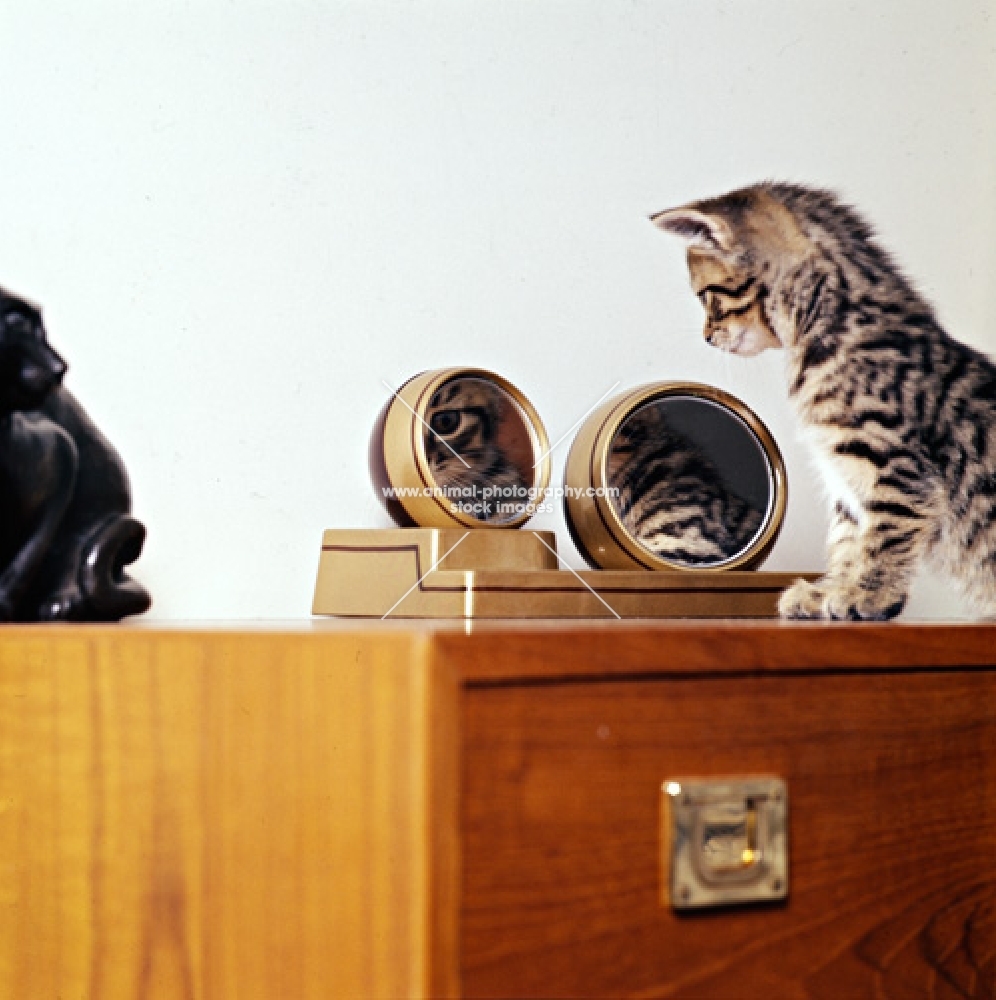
point(240, 218)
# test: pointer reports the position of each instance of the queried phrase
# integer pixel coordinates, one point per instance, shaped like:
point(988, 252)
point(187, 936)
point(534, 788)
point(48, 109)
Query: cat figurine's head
point(29, 368)
point(740, 246)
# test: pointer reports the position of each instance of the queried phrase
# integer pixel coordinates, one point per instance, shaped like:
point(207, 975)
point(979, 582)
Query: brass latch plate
point(725, 841)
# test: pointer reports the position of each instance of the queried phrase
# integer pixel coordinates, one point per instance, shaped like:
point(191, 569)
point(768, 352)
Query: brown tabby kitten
point(901, 416)
point(672, 498)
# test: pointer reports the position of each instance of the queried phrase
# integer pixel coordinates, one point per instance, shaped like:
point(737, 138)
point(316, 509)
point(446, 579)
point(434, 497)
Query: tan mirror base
point(496, 573)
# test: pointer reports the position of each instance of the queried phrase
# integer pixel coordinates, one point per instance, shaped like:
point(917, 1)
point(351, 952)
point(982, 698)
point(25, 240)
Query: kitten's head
point(739, 245)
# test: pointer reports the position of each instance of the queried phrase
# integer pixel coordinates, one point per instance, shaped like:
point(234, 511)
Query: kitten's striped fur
point(672, 498)
point(461, 444)
point(902, 416)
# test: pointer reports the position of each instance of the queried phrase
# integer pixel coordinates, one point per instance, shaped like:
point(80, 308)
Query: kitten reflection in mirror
point(902, 417)
point(672, 498)
point(462, 445)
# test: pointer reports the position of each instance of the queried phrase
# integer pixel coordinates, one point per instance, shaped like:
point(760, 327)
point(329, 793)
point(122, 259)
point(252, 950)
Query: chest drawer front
point(892, 836)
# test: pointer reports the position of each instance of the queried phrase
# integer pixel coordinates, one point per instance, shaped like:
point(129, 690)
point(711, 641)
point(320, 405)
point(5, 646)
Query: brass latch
point(725, 841)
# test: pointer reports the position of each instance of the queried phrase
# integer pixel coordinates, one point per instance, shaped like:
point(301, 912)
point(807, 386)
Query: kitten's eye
point(445, 422)
point(732, 293)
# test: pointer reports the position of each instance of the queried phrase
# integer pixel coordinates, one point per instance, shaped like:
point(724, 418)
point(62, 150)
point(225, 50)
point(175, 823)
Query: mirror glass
point(690, 480)
point(479, 449)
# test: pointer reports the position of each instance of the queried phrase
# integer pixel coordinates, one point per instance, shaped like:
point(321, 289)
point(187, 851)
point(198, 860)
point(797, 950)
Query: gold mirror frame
point(398, 460)
point(594, 524)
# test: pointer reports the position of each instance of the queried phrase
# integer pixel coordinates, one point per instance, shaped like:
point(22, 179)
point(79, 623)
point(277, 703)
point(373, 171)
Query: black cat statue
point(65, 528)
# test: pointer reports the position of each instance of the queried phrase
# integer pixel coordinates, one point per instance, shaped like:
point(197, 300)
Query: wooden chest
point(350, 811)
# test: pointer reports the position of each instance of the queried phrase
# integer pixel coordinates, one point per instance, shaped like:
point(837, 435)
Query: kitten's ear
point(695, 226)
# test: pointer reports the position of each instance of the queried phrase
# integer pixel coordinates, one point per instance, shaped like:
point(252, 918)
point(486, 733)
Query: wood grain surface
point(396, 811)
point(223, 816)
point(555, 651)
point(892, 797)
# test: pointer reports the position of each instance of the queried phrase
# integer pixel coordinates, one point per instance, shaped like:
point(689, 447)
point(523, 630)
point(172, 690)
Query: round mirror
point(689, 481)
point(459, 446)
point(674, 476)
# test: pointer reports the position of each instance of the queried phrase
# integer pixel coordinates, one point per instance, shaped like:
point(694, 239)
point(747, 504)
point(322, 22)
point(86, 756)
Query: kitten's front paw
point(6, 608)
point(802, 600)
point(837, 601)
